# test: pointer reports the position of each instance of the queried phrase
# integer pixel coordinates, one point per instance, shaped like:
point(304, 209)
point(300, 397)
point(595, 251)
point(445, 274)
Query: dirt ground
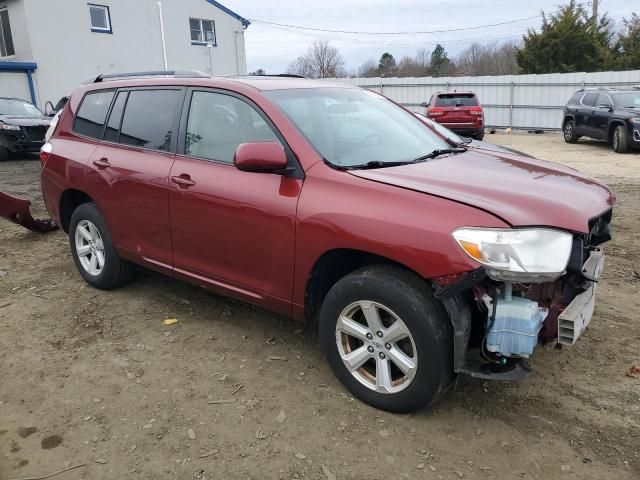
point(96, 378)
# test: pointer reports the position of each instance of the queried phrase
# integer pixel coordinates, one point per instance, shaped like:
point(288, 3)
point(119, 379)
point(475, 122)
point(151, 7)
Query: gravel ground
point(231, 391)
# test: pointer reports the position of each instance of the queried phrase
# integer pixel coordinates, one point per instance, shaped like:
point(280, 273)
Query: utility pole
point(594, 13)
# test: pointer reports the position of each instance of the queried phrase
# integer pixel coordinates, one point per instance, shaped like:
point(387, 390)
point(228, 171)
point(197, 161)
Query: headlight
point(5, 126)
point(517, 255)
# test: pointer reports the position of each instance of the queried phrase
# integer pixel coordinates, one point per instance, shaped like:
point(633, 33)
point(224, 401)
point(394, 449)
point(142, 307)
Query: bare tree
point(368, 69)
point(490, 59)
point(319, 61)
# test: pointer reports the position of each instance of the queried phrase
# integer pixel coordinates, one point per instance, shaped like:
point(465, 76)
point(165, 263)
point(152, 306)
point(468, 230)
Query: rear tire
point(569, 131)
point(620, 140)
point(479, 136)
point(381, 359)
point(4, 154)
point(93, 251)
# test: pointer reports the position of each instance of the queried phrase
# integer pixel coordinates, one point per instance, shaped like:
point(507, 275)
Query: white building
point(48, 47)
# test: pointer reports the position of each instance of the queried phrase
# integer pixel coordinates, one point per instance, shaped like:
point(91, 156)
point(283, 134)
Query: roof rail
point(287, 75)
point(155, 73)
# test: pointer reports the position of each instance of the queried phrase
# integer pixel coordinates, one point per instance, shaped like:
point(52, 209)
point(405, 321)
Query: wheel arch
point(612, 126)
point(567, 117)
point(69, 201)
point(330, 267)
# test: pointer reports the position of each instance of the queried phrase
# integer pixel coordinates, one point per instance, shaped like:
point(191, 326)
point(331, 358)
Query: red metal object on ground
point(17, 211)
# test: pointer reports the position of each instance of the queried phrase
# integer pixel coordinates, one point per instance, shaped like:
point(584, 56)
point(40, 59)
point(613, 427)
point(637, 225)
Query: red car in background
point(415, 258)
point(458, 111)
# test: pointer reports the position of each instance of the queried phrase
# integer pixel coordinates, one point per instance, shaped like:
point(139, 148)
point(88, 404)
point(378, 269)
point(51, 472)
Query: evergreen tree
point(628, 45)
point(567, 42)
point(387, 65)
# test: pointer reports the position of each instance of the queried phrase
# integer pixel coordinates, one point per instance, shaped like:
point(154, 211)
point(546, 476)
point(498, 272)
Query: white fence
point(524, 102)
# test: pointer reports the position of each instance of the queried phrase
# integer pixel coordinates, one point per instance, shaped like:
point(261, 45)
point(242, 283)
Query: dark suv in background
point(604, 114)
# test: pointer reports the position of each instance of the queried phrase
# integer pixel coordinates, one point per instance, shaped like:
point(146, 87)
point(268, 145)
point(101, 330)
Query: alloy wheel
point(568, 131)
point(616, 139)
point(376, 347)
point(90, 247)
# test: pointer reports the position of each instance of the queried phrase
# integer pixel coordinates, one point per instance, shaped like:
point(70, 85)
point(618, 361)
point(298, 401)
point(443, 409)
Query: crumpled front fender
point(16, 210)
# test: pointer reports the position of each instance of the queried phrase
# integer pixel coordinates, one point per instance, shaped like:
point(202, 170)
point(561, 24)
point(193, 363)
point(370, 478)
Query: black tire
point(4, 154)
point(569, 132)
point(620, 139)
point(412, 300)
point(479, 136)
point(116, 271)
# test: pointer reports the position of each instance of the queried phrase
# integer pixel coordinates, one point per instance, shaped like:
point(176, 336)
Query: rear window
point(456, 100)
point(92, 113)
point(575, 98)
point(148, 119)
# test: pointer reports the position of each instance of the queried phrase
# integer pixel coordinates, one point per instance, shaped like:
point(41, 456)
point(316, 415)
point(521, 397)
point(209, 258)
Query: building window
point(6, 41)
point(202, 31)
point(100, 18)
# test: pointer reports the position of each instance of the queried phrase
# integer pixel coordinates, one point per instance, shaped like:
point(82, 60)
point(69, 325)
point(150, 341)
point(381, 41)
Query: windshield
point(351, 126)
point(444, 131)
point(627, 99)
point(17, 107)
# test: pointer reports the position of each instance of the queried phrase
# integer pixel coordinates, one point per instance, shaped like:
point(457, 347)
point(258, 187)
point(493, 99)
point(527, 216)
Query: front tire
point(4, 154)
point(620, 140)
point(93, 251)
point(569, 132)
point(479, 136)
point(387, 339)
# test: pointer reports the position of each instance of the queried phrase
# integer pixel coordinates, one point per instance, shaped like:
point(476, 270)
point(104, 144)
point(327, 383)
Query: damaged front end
point(500, 315)
point(17, 210)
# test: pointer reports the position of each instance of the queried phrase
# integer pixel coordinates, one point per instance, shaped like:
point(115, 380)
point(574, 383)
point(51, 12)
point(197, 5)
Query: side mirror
point(424, 104)
point(260, 157)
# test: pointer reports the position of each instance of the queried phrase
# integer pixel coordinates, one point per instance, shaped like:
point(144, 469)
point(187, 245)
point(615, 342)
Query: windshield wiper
point(437, 152)
point(377, 164)
point(380, 164)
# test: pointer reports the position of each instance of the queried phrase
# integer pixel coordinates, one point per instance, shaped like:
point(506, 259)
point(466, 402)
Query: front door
point(232, 231)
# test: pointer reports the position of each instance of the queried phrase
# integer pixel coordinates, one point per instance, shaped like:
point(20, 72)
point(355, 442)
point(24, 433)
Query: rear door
point(232, 231)
point(129, 172)
point(456, 109)
point(599, 121)
point(584, 113)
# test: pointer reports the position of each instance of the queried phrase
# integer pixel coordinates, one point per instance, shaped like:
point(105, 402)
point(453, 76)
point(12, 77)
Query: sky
point(272, 48)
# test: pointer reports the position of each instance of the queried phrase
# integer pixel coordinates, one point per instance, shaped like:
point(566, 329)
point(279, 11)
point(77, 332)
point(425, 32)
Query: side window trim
point(294, 167)
point(113, 103)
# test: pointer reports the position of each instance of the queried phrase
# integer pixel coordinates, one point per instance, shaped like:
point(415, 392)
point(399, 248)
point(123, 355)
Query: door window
point(603, 99)
point(148, 119)
point(218, 123)
point(92, 113)
point(589, 100)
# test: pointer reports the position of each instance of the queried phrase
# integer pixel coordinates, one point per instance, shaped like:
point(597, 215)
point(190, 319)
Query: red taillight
point(475, 110)
point(45, 152)
point(435, 112)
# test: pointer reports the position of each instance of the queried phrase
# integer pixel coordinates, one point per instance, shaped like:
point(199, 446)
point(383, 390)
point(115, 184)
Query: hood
point(521, 191)
point(635, 111)
point(26, 120)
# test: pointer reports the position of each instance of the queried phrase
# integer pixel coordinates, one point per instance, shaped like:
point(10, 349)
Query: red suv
point(416, 259)
point(458, 111)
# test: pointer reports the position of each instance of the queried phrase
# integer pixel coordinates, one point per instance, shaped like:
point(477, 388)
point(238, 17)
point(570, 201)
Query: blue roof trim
point(244, 21)
point(18, 66)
